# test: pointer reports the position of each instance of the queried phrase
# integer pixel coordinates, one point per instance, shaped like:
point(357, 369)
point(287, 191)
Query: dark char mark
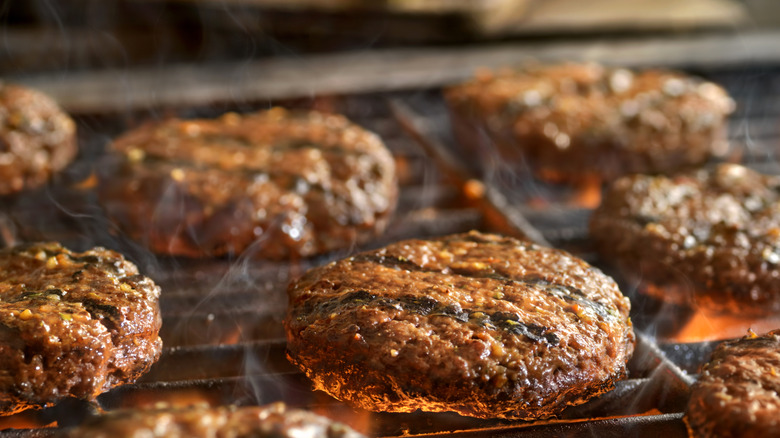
point(426, 306)
point(535, 279)
point(390, 261)
point(88, 259)
point(643, 220)
point(105, 313)
point(566, 292)
point(29, 295)
point(475, 238)
point(511, 323)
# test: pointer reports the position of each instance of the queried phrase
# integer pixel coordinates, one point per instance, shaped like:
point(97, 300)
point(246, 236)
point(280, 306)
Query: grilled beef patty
point(737, 393)
point(297, 184)
point(483, 325)
point(574, 121)
point(271, 421)
point(72, 324)
point(708, 238)
point(37, 139)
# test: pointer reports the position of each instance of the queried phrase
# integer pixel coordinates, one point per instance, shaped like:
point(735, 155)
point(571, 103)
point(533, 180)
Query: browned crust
point(570, 122)
point(72, 324)
point(295, 184)
point(37, 139)
point(479, 324)
point(709, 238)
point(271, 421)
point(737, 393)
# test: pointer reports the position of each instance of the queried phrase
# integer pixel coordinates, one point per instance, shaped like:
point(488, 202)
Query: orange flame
point(703, 327)
point(588, 192)
point(25, 420)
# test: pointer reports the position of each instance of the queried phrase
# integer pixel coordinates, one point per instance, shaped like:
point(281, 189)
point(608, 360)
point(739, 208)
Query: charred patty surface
point(708, 238)
point(572, 121)
point(72, 324)
point(270, 421)
point(479, 324)
point(37, 139)
point(737, 393)
point(295, 183)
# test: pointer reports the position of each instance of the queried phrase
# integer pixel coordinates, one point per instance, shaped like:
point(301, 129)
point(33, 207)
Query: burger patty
point(574, 121)
point(271, 421)
point(297, 184)
point(737, 393)
point(37, 139)
point(710, 238)
point(72, 324)
point(483, 325)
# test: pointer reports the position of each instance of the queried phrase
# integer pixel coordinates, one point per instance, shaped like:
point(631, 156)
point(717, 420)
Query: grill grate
point(222, 318)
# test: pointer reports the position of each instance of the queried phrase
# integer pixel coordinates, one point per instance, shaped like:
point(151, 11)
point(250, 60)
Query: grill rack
point(210, 308)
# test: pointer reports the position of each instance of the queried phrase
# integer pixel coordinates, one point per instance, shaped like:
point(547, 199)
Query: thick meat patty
point(574, 121)
point(479, 324)
point(708, 238)
point(37, 139)
point(737, 393)
point(296, 184)
point(271, 421)
point(72, 324)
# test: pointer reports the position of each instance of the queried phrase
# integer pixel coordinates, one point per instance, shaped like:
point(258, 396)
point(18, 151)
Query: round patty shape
point(37, 139)
point(271, 421)
point(709, 238)
point(298, 184)
point(737, 393)
point(483, 325)
point(72, 324)
point(574, 121)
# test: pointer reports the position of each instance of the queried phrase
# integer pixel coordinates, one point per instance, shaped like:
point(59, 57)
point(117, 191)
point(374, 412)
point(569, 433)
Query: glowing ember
point(473, 189)
point(705, 327)
point(588, 193)
point(181, 397)
point(24, 420)
point(585, 192)
point(357, 419)
point(7, 231)
point(87, 183)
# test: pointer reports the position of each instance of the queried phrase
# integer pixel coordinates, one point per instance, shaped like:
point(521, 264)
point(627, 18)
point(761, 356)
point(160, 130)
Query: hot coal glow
point(703, 327)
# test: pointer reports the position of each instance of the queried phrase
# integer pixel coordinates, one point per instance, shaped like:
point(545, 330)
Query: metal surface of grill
point(222, 330)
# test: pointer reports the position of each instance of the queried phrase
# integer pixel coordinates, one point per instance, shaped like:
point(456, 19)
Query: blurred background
point(295, 48)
